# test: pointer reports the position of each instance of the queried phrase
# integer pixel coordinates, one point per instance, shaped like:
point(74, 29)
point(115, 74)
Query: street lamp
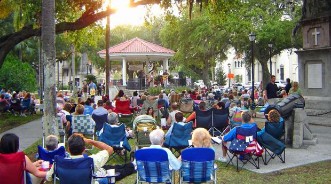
point(252, 37)
point(229, 65)
point(87, 66)
point(270, 49)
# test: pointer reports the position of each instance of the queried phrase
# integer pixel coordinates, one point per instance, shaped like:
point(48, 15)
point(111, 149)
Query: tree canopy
point(71, 15)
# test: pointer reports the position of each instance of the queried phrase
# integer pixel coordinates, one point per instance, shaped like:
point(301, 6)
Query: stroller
point(142, 126)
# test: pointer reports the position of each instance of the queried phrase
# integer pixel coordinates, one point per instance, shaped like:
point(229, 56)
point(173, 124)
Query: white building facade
point(284, 65)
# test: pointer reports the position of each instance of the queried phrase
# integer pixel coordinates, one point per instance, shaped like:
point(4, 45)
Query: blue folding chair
point(115, 136)
point(220, 121)
point(198, 166)
point(49, 155)
point(273, 141)
point(73, 171)
point(179, 137)
point(204, 119)
point(99, 121)
point(249, 154)
point(153, 166)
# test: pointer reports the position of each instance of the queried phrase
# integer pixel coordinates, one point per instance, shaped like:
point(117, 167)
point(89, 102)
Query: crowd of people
point(203, 100)
point(19, 103)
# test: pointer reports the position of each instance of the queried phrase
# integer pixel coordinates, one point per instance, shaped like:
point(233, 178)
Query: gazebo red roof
point(137, 45)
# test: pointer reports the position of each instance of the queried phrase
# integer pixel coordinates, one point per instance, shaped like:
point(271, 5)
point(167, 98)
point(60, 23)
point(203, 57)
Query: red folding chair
point(12, 168)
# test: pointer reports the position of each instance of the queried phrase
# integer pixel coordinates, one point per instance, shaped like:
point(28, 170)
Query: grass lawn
point(9, 121)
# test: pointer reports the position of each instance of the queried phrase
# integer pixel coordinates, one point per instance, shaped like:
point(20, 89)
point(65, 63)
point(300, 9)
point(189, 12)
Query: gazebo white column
point(166, 65)
point(124, 71)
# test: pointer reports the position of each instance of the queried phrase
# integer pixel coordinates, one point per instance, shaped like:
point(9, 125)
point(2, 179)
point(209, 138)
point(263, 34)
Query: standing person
point(93, 89)
point(85, 90)
point(288, 85)
point(270, 92)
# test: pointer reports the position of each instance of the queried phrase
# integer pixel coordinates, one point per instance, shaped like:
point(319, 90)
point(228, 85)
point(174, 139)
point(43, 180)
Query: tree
point(208, 35)
point(48, 60)
point(220, 76)
point(26, 80)
point(71, 16)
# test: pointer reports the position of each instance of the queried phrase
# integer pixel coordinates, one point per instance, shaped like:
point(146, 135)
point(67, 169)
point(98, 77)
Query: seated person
point(88, 109)
point(4, 103)
point(179, 119)
point(157, 138)
point(112, 119)
point(273, 117)
point(150, 111)
point(171, 119)
point(52, 143)
point(202, 107)
point(9, 144)
point(247, 122)
point(76, 145)
point(201, 138)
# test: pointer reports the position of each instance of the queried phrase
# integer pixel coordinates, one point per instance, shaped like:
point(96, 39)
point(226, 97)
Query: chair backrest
point(153, 165)
point(243, 133)
point(74, 171)
point(46, 155)
point(114, 135)
point(60, 125)
point(204, 119)
point(122, 107)
point(82, 124)
point(99, 121)
point(276, 130)
point(220, 118)
point(197, 164)
point(180, 135)
point(186, 105)
point(12, 168)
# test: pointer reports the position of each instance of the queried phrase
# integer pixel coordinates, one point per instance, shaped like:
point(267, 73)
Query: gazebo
point(138, 49)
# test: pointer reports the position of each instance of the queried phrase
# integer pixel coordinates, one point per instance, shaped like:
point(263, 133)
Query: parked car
point(280, 83)
point(199, 83)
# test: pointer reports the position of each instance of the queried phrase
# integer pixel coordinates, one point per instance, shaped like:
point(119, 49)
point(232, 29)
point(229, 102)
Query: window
point(281, 72)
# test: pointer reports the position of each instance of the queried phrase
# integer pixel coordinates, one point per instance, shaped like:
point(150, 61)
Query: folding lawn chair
point(198, 166)
point(245, 147)
point(99, 121)
point(203, 119)
point(273, 141)
point(220, 121)
point(73, 171)
point(115, 136)
point(153, 166)
point(83, 124)
point(46, 155)
point(186, 105)
point(12, 168)
point(179, 137)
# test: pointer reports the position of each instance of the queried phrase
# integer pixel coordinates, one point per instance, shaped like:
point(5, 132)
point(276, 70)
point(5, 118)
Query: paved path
point(31, 132)
point(297, 157)
point(28, 133)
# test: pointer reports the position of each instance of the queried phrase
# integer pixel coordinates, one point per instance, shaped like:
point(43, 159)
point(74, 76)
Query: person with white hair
point(157, 138)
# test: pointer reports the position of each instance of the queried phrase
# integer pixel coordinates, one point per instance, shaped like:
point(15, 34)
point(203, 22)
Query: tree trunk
point(74, 91)
point(205, 73)
point(107, 62)
point(265, 74)
point(48, 53)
